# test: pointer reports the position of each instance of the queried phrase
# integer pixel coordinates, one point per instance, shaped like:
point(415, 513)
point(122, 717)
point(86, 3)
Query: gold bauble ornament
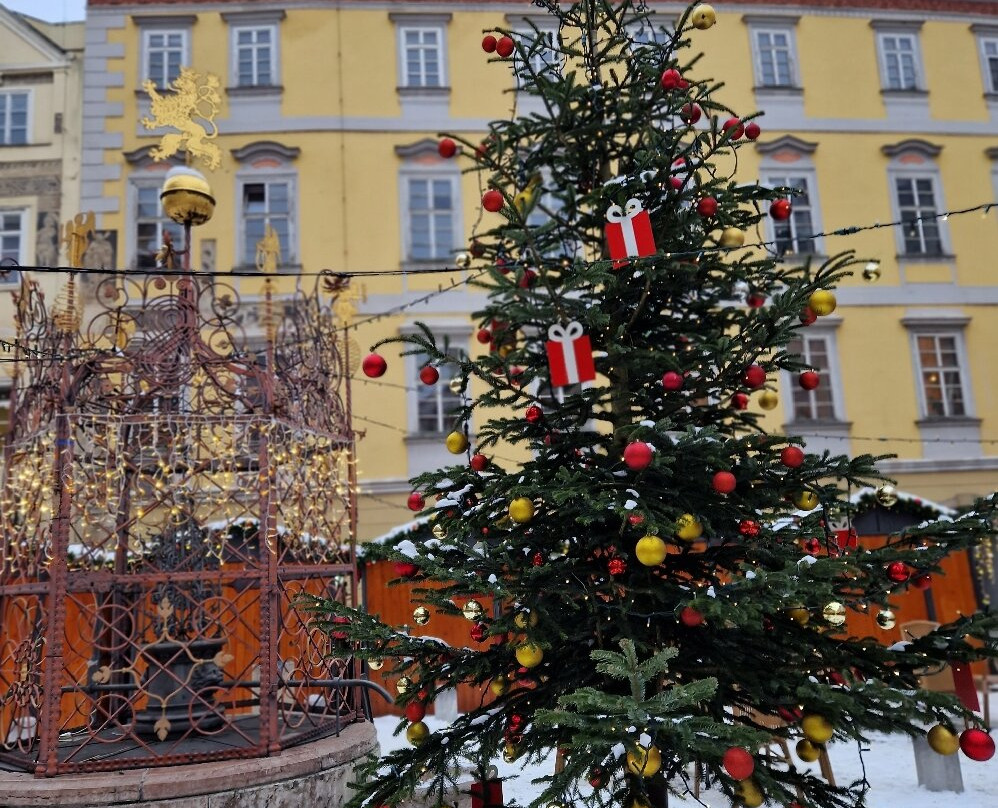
point(421, 615)
point(748, 792)
point(703, 16)
point(887, 495)
point(644, 761)
point(462, 260)
point(524, 619)
point(807, 751)
point(455, 385)
point(521, 510)
point(943, 740)
point(688, 527)
point(821, 302)
point(472, 610)
point(886, 619)
point(834, 613)
point(817, 729)
point(806, 500)
point(731, 237)
point(438, 531)
point(499, 685)
point(651, 551)
point(529, 654)
point(511, 752)
point(417, 733)
point(871, 272)
point(799, 614)
point(403, 684)
point(186, 196)
point(457, 443)
point(768, 400)
point(376, 663)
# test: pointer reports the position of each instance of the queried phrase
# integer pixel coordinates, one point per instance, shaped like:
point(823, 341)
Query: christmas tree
point(657, 592)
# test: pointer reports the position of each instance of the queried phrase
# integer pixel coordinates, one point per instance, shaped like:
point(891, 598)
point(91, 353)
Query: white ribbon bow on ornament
point(566, 336)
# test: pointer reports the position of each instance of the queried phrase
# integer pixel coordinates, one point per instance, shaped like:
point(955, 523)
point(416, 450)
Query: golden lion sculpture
point(194, 97)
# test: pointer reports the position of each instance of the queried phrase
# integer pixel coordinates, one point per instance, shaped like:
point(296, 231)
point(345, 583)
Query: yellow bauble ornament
point(731, 237)
point(816, 728)
point(417, 733)
point(799, 615)
point(644, 761)
point(807, 751)
point(511, 752)
point(499, 685)
point(943, 740)
point(529, 655)
point(651, 551)
point(524, 619)
point(688, 527)
point(703, 16)
point(457, 443)
point(821, 302)
point(472, 610)
point(421, 615)
point(806, 500)
point(749, 794)
point(768, 400)
point(521, 510)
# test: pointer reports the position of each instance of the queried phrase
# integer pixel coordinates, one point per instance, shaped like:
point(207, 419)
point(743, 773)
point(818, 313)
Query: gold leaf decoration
point(195, 97)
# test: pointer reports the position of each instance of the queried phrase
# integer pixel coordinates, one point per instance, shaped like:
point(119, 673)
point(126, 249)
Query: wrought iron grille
point(177, 472)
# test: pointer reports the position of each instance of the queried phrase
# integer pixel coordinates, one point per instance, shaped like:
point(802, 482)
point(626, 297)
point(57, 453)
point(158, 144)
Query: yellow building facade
point(328, 126)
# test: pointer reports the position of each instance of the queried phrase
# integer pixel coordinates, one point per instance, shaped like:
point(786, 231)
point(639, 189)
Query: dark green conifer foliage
point(619, 667)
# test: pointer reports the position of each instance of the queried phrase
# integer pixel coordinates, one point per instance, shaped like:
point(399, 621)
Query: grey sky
point(49, 10)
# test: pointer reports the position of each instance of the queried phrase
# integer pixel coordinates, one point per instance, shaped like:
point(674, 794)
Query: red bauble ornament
point(780, 209)
point(707, 206)
point(484, 336)
point(415, 711)
point(807, 316)
point(690, 113)
point(517, 722)
point(405, 569)
point(597, 777)
point(755, 300)
point(672, 381)
point(792, 457)
point(676, 183)
point(533, 414)
point(479, 632)
point(492, 201)
point(749, 527)
point(977, 744)
point(635, 519)
point(527, 279)
point(538, 559)
point(724, 482)
point(477, 249)
point(812, 546)
point(923, 581)
point(374, 365)
point(752, 130)
point(809, 380)
point(416, 501)
point(755, 376)
point(616, 566)
point(339, 635)
point(479, 462)
point(739, 401)
point(898, 572)
point(447, 148)
point(637, 455)
point(489, 44)
point(734, 128)
point(671, 79)
point(690, 617)
point(504, 46)
point(429, 375)
point(789, 714)
point(738, 763)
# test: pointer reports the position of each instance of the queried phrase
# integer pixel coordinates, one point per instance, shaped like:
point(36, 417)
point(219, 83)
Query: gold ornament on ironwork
point(195, 98)
point(268, 251)
point(76, 237)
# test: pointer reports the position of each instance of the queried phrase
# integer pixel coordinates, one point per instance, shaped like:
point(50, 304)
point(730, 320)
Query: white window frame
point(774, 179)
point(440, 392)
point(8, 96)
point(458, 337)
point(831, 378)
point(886, 32)
point(274, 30)
point(440, 30)
point(267, 178)
point(987, 44)
point(940, 328)
point(542, 57)
point(163, 80)
point(136, 186)
point(652, 30)
point(22, 234)
point(793, 79)
point(919, 226)
point(441, 252)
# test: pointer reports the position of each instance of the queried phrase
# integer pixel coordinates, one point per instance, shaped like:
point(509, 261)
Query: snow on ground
point(890, 768)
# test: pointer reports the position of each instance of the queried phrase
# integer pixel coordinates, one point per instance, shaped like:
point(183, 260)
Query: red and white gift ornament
point(570, 355)
point(628, 232)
